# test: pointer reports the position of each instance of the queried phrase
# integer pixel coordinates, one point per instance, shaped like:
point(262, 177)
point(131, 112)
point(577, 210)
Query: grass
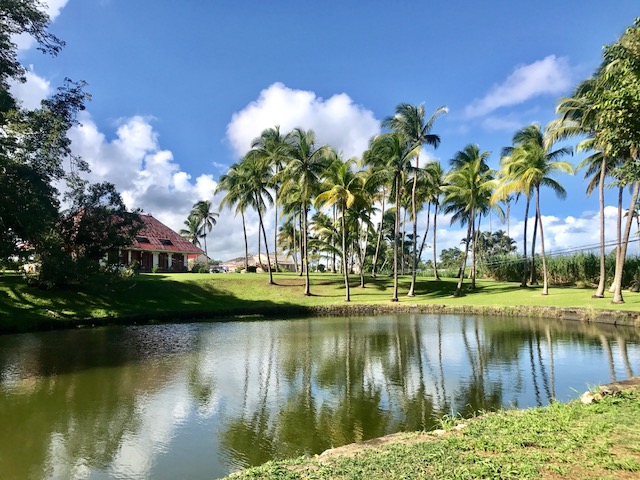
point(151, 297)
point(569, 441)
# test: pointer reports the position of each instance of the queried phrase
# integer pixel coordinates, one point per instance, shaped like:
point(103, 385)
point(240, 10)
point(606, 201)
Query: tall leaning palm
point(258, 175)
point(391, 153)
point(469, 184)
point(409, 122)
point(272, 147)
point(531, 165)
point(343, 189)
point(202, 211)
point(305, 166)
point(233, 182)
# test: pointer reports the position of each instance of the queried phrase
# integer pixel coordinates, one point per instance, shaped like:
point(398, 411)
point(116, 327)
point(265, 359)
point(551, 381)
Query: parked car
point(217, 269)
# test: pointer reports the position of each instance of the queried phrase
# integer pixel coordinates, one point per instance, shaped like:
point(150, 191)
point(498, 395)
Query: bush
point(155, 269)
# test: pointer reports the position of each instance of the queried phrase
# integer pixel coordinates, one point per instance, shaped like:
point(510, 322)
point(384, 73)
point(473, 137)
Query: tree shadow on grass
point(157, 299)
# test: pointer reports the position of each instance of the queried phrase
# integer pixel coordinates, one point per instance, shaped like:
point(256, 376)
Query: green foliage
point(450, 258)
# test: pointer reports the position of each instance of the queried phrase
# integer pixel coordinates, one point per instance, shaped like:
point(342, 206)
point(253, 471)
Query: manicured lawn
point(24, 308)
point(569, 441)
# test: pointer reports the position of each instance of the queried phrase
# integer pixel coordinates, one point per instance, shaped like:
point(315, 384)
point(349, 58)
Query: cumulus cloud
point(31, 92)
point(551, 75)
point(146, 175)
point(336, 121)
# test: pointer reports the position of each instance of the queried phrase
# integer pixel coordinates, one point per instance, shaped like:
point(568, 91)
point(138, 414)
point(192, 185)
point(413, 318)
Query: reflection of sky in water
point(202, 400)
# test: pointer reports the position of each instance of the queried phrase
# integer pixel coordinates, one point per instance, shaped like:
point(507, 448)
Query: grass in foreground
point(569, 441)
point(23, 308)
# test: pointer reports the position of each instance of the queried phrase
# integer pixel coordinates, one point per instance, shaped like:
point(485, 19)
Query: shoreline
point(623, 318)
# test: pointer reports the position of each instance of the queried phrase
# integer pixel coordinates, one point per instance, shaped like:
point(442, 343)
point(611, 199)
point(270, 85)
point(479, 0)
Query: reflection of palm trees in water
point(622, 345)
point(607, 351)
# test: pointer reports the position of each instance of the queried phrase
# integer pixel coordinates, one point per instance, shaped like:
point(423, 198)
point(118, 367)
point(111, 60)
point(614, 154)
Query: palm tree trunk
point(302, 246)
point(275, 230)
point(333, 250)
point(414, 253)
point(435, 255)
point(404, 224)
point(426, 232)
point(617, 294)
point(396, 229)
point(246, 244)
point(545, 281)
point(603, 272)
point(458, 291)
point(375, 256)
point(363, 254)
point(266, 246)
point(612, 288)
point(532, 273)
point(307, 287)
point(473, 253)
point(347, 296)
point(524, 244)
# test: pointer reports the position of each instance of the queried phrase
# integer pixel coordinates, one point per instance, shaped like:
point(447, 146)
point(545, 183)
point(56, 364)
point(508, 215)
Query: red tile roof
point(155, 231)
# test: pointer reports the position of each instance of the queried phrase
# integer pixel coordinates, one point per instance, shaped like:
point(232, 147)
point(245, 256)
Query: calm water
point(202, 400)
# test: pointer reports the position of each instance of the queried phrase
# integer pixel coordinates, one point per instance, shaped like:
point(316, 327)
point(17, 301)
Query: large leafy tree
point(306, 164)
point(409, 121)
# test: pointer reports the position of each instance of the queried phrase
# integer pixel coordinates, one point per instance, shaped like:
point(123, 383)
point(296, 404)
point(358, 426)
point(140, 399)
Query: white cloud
point(336, 121)
point(551, 75)
point(146, 175)
point(31, 92)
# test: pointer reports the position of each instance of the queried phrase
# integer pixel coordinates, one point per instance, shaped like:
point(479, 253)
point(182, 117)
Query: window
point(142, 240)
point(165, 242)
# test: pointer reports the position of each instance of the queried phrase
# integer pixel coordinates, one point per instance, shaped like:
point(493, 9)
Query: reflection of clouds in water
point(160, 415)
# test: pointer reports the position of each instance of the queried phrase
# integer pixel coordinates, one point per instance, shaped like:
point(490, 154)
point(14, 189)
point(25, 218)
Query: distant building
point(284, 263)
point(156, 245)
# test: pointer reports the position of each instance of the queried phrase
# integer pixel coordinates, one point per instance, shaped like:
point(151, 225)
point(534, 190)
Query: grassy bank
point(571, 441)
point(185, 296)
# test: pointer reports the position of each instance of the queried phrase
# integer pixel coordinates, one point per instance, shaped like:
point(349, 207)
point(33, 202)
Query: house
point(156, 245)
point(284, 263)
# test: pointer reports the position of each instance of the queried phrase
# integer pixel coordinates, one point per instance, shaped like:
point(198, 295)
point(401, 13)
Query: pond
point(203, 400)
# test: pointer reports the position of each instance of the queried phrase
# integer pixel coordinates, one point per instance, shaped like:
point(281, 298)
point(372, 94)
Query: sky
point(179, 89)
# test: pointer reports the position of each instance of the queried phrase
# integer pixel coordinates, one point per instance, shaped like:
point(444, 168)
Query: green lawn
point(160, 296)
point(568, 441)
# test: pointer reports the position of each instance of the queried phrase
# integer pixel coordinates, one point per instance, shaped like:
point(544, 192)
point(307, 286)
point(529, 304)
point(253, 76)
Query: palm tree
point(342, 189)
point(530, 166)
point(273, 148)
point(233, 182)
point(409, 121)
point(192, 230)
point(305, 165)
point(469, 184)
point(258, 175)
point(392, 153)
point(206, 219)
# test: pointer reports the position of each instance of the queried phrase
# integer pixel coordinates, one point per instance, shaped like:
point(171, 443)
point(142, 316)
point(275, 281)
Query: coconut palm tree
point(530, 166)
point(392, 153)
point(409, 121)
point(192, 230)
point(469, 185)
point(305, 166)
point(233, 182)
point(258, 174)
point(273, 148)
point(206, 219)
point(343, 187)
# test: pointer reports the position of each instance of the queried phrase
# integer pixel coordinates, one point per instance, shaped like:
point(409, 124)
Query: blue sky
point(180, 88)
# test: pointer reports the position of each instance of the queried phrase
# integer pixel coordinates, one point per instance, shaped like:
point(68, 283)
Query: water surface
point(202, 400)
